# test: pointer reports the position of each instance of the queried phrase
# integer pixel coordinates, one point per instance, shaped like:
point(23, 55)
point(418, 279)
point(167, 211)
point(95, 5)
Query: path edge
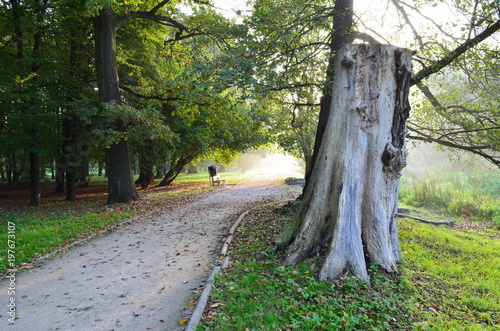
point(197, 314)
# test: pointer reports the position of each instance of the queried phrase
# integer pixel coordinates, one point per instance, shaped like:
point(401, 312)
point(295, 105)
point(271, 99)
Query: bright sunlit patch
point(270, 163)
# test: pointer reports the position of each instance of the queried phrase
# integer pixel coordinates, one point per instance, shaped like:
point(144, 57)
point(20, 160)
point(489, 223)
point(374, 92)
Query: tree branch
point(473, 149)
point(451, 56)
point(408, 21)
point(449, 223)
point(148, 97)
point(150, 15)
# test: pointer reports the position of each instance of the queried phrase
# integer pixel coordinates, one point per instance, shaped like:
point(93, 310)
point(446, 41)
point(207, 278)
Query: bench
point(216, 179)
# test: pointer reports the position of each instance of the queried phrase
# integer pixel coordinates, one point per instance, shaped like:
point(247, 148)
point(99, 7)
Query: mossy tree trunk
point(350, 204)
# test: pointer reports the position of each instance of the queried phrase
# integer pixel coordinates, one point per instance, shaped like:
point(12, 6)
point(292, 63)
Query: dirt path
point(140, 276)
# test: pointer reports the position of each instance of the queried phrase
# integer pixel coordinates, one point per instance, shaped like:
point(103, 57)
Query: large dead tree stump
point(350, 204)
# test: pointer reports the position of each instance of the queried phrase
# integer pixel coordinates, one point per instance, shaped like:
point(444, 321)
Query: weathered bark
point(350, 204)
point(121, 186)
point(341, 33)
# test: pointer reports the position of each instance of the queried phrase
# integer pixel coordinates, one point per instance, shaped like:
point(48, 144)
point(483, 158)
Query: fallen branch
point(449, 223)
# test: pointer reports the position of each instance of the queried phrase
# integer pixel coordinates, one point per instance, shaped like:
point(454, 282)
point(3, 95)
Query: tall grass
point(470, 194)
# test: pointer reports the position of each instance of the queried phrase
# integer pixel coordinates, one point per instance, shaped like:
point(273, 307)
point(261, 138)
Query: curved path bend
point(141, 275)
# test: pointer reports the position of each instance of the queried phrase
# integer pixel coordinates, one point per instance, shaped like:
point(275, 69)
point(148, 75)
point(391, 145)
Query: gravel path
point(138, 277)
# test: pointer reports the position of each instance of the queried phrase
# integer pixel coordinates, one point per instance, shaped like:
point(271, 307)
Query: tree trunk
point(145, 177)
point(35, 178)
point(121, 186)
point(70, 183)
point(350, 204)
point(69, 157)
point(84, 172)
point(59, 178)
point(192, 169)
point(341, 33)
point(173, 172)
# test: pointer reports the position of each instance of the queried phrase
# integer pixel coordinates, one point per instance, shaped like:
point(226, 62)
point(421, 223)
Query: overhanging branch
point(150, 15)
point(478, 150)
point(436, 66)
point(149, 97)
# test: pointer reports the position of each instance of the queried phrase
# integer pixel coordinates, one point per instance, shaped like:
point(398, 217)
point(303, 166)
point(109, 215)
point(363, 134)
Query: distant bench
point(214, 178)
point(217, 180)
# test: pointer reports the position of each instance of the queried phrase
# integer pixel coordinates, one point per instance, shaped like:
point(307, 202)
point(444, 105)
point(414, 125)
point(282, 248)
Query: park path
point(141, 275)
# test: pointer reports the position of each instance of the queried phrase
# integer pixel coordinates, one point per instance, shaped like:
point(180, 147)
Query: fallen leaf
point(192, 303)
point(215, 305)
point(183, 321)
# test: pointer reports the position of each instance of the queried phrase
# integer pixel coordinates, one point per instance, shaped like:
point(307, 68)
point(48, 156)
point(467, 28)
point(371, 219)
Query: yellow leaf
point(183, 321)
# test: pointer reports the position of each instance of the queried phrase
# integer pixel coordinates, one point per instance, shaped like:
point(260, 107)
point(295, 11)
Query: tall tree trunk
point(84, 172)
point(341, 33)
point(121, 186)
point(35, 178)
point(350, 204)
point(70, 183)
point(59, 177)
point(145, 177)
point(68, 157)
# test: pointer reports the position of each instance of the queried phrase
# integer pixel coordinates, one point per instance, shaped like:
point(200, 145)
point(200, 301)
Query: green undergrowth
point(258, 293)
point(37, 231)
point(449, 281)
point(475, 195)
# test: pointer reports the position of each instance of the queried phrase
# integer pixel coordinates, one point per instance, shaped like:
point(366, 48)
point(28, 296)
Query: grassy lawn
point(449, 281)
point(37, 231)
point(455, 276)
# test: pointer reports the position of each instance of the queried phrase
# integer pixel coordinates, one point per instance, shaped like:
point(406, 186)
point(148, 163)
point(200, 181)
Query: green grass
point(475, 195)
point(258, 293)
point(37, 231)
point(230, 177)
point(455, 276)
point(449, 281)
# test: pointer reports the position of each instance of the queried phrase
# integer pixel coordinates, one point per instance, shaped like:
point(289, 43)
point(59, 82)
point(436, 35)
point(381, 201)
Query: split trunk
point(350, 204)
